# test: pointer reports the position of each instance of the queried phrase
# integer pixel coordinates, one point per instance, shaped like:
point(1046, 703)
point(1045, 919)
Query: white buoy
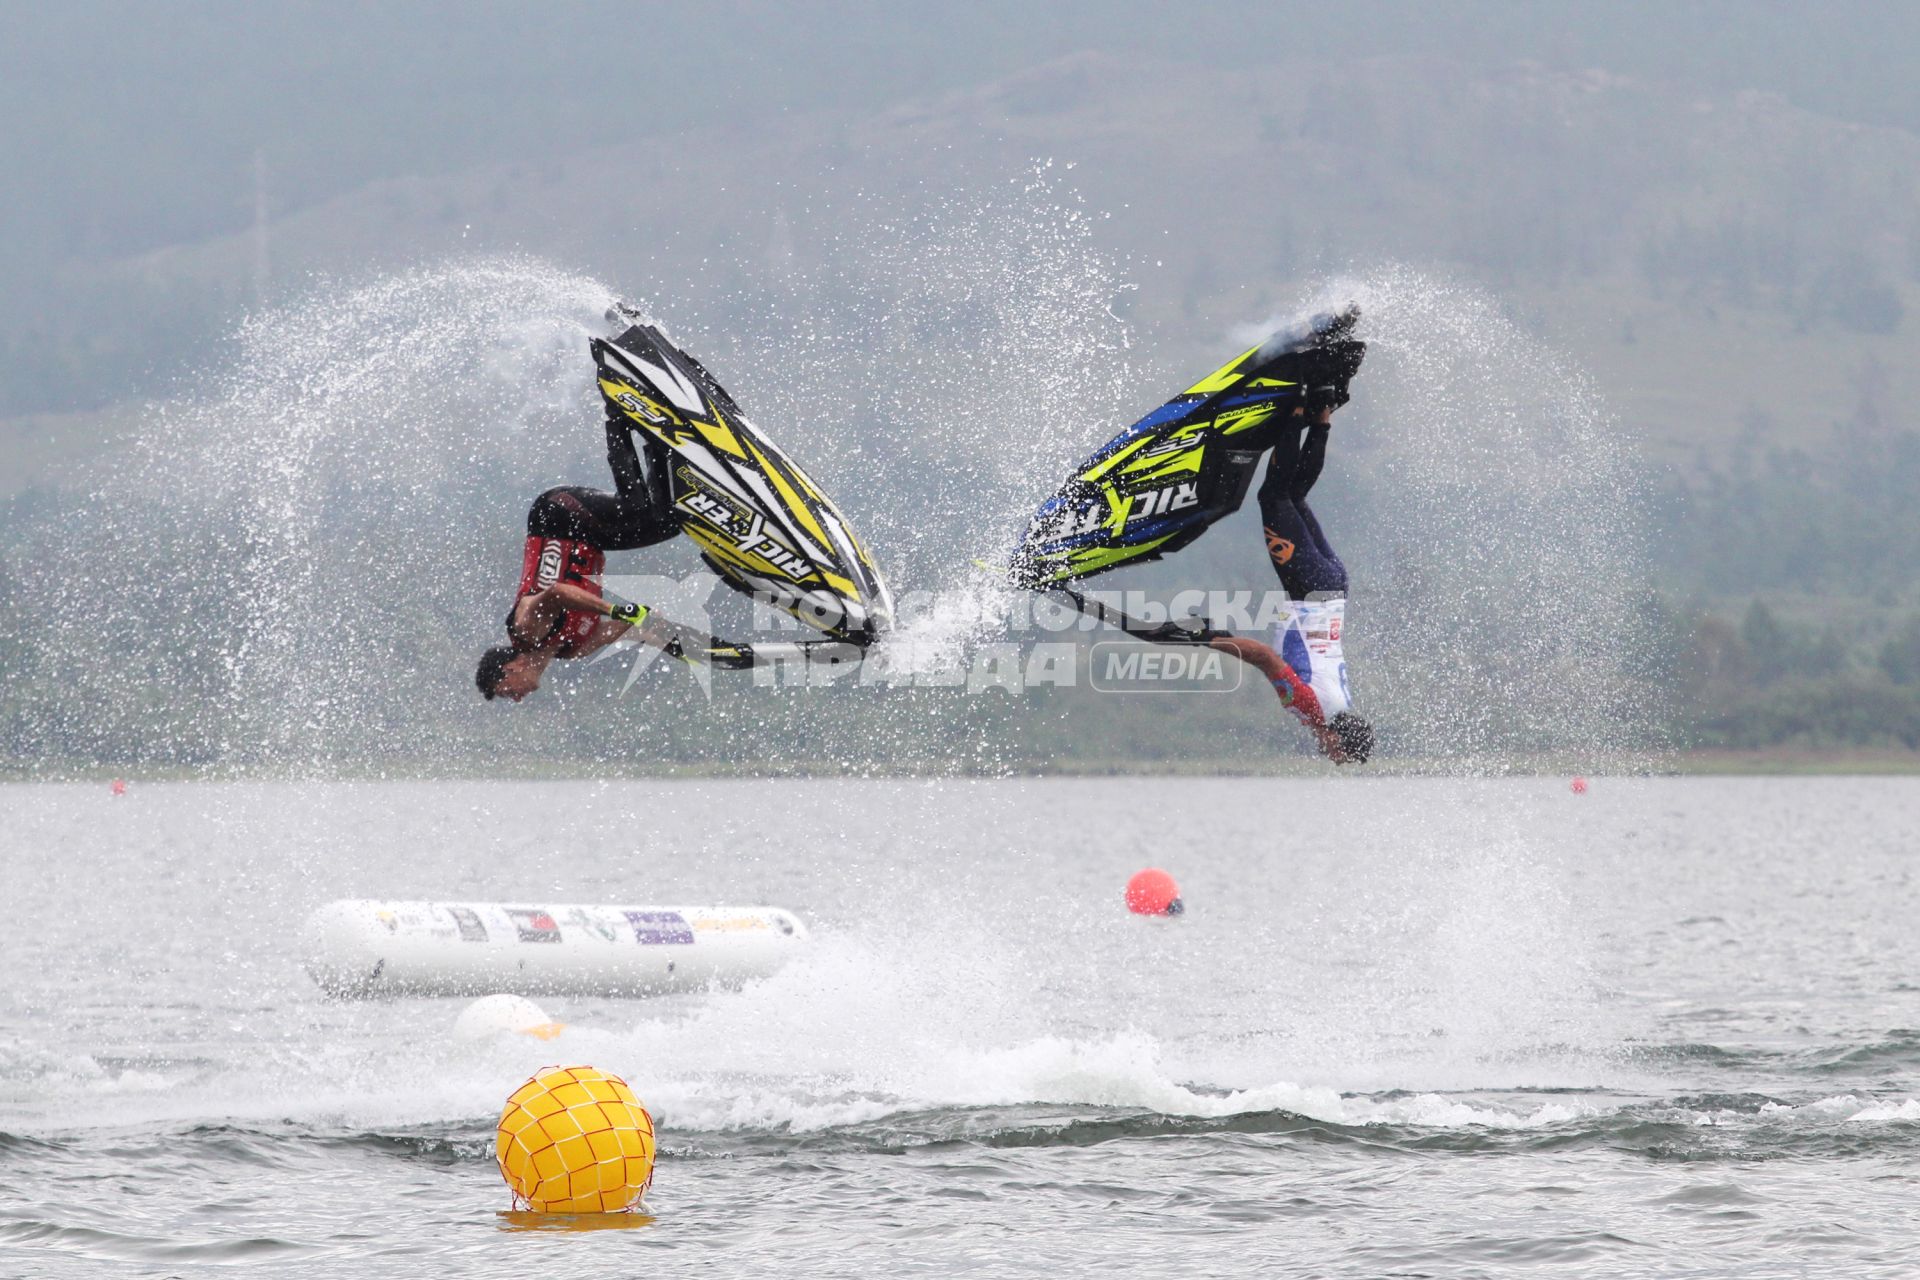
point(362, 948)
point(502, 1014)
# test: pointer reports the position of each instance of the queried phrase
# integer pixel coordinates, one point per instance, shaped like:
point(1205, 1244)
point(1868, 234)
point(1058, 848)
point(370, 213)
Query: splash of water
point(361, 435)
point(974, 339)
point(304, 553)
point(1490, 510)
point(306, 549)
point(294, 552)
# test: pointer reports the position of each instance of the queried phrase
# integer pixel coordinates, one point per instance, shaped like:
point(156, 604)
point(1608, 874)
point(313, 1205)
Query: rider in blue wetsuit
point(1302, 556)
point(1306, 664)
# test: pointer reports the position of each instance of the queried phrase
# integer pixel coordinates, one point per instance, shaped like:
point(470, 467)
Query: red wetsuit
point(551, 560)
point(1295, 694)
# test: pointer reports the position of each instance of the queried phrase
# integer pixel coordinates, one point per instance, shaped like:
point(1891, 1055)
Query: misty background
point(1049, 219)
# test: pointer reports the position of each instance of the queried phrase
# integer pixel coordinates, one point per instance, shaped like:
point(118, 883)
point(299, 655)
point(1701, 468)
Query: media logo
point(1128, 666)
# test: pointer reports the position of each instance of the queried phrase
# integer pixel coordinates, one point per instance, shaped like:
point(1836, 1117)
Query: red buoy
point(1579, 786)
point(1153, 893)
point(119, 786)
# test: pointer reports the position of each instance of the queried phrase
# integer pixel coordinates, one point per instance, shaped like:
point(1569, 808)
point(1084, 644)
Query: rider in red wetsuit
point(558, 612)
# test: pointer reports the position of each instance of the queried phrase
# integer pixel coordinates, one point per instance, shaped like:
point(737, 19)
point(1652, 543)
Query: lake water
point(1431, 1027)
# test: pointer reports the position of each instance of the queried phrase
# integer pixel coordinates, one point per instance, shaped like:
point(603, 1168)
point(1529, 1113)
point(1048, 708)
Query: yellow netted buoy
point(575, 1140)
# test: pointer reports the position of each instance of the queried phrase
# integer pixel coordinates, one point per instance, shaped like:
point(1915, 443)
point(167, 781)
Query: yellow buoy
point(575, 1140)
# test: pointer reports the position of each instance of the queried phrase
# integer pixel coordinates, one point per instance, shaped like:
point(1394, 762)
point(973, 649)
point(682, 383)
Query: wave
point(1898, 1053)
point(1737, 1128)
point(100, 1244)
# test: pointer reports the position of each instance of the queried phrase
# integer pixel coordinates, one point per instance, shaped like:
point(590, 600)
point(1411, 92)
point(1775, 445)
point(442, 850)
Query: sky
point(129, 126)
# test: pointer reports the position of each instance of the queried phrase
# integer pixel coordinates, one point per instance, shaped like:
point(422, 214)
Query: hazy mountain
point(1720, 261)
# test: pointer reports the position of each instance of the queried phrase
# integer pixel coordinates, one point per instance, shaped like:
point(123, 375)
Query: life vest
point(1309, 640)
point(550, 560)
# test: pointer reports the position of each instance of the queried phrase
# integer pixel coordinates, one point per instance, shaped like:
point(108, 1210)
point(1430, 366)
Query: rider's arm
point(604, 633)
point(540, 613)
point(1295, 694)
point(609, 629)
point(572, 599)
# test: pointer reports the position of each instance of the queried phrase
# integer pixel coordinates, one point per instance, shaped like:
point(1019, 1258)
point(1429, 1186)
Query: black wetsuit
point(638, 514)
point(571, 528)
point(1301, 553)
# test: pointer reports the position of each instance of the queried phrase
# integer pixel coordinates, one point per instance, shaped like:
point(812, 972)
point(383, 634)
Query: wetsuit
point(1306, 664)
point(570, 529)
point(1300, 552)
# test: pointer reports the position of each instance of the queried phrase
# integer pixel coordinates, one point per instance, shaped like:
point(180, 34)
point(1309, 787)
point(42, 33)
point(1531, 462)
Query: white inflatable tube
point(361, 948)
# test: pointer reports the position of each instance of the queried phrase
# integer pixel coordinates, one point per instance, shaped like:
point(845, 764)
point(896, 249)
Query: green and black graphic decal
point(1166, 479)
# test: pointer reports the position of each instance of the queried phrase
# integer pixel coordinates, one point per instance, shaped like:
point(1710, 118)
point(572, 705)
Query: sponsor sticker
point(468, 922)
point(730, 924)
point(1278, 547)
point(633, 404)
point(1160, 502)
point(436, 922)
point(659, 928)
point(586, 924)
point(720, 510)
point(550, 560)
point(533, 925)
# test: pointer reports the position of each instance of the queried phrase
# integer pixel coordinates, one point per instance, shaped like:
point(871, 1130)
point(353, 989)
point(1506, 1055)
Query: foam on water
point(1342, 1040)
point(729, 1066)
point(1433, 947)
point(1849, 1109)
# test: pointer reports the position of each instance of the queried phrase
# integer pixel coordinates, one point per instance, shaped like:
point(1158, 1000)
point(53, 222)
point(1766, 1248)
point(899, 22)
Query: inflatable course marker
point(361, 948)
point(575, 1140)
point(1153, 893)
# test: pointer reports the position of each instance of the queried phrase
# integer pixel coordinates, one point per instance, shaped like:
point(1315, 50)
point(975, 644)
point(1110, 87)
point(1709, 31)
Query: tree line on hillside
point(1811, 684)
point(1792, 592)
point(1831, 520)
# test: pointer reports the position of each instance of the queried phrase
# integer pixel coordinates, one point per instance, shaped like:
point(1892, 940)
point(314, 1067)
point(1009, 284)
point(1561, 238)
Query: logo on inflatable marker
point(660, 928)
point(534, 925)
point(468, 922)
